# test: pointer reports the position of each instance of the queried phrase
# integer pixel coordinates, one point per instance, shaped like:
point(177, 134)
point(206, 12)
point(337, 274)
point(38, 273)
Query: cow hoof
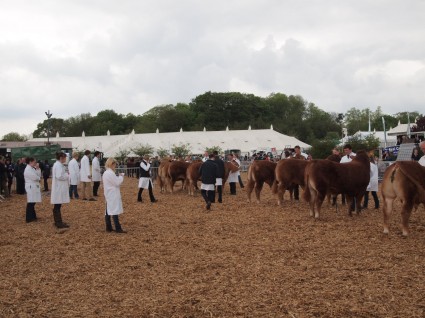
point(405, 233)
point(258, 202)
point(386, 231)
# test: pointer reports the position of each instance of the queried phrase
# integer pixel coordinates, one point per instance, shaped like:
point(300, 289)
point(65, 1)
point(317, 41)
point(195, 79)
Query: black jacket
point(209, 172)
point(220, 165)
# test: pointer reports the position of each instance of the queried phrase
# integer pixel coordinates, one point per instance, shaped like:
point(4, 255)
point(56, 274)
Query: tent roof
point(400, 129)
point(245, 140)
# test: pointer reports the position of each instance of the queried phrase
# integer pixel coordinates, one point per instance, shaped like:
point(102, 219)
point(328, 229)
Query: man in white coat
point(111, 188)
point(60, 189)
point(85, 175)
point(32, 175)
point(74, 175)
point(145, 181)
point(95, 173)
point(373, 185)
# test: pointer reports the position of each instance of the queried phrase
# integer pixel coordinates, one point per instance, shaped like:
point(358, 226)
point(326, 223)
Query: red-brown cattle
point(162, 174)
point(176, 171)
point(325, 176)
point(193, 176)
point(260, 172)
point(288, 172)
point(404, 180)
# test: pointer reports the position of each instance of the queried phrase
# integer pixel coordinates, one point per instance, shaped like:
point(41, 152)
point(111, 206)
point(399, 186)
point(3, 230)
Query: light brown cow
point(404, 180)
point(193, 176)
point(176, 171)
point(288, 173)
point(260, 172)
point(324, 176)
point(162, 177)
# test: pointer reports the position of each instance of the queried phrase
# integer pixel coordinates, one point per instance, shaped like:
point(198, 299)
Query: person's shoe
point(139, 200)
point(120, 231)
point(208, 206)
point(109, 230)
point(154, 201)
point(84, 199)
point(92, 199)
point(62, 226)
point(220, 201)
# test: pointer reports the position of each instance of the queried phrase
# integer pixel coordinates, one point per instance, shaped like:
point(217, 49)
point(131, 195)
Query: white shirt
point(422, 161)
point(347, 158)
point(85, 169)
point(96, 175)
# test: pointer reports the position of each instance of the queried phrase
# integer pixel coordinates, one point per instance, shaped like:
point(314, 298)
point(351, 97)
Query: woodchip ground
point(238, 260)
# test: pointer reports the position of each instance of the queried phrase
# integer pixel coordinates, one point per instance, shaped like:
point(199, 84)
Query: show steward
point(60, 189)
point(111, 188)
point(74, 175)
point(32, 175)
point(145, 181)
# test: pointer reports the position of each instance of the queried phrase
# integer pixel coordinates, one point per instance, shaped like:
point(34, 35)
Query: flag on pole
point(408, 125)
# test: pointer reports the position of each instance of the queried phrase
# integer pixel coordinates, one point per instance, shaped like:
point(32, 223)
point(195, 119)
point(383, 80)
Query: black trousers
point(46, 185)
point(240, 181)
point(296, 188)
point(30, 214)
point(366, 199)
point(96, 185)
point(151, 196)
point(108, 221)
point(232, 188)
point(209, 196)
point(220, 193)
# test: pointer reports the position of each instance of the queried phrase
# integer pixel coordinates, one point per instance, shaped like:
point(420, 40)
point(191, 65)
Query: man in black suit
point(209, 173)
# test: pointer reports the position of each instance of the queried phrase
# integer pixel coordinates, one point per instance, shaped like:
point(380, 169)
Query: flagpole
point(385, 132)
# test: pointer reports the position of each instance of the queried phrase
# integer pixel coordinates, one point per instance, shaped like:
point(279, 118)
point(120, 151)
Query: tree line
point(291, 115)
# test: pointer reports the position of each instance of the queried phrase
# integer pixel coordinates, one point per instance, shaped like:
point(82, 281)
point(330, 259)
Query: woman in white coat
point(60, 189)
point(32, 175)
point(111, 188)
point(373, 185)
point(96, 176)
point(74, 175)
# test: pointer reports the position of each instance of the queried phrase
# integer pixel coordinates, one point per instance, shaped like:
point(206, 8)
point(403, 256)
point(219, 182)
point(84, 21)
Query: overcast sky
point(79, 56)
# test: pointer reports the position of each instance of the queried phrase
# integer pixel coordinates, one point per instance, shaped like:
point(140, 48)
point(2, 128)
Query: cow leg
point(406, 210)
point(358, 203)
point(249, 188)
point(350, 202)
point(319, 201)
point(280, 192)
point(388, 207)
point(258, 188)
point(313, 198)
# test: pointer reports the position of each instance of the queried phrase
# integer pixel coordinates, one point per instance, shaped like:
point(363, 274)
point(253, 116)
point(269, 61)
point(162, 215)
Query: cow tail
point(307, 193)
point(274, 187)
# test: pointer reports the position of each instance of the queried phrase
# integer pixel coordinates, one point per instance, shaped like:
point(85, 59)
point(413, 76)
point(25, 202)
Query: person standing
point(145, 181)
point(3, 178)
point(60, 189)
point(10, 168)
point(373, 185)
point(233, 176)
point(220, 176)
point(422, 160)
point(154, 169)
point(415, 154)
point(96, 175)
point(239, 172)
point(74, 175)
point(348, 154)
point(209, 174)
point(300, 156)
point(46, 174)
point(85, 176)
point(20, 178)
point(111, 188)
point(32, 176)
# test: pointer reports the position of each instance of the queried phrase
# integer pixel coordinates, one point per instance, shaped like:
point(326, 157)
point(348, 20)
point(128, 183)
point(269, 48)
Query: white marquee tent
point(198, 141)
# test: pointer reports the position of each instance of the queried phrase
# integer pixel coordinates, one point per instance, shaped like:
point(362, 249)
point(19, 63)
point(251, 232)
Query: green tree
point(14, 136)
point(368, 143)
point(321, 149)
point(122, 154)
point(143, 149)
point(162, 152)
point(56, 125)
point(214, 148)
point(181, 150)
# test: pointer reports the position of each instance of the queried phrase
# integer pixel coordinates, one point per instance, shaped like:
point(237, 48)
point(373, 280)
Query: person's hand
point(122, 174)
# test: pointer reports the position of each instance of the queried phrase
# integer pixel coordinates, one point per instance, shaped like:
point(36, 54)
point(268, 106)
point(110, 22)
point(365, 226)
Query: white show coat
point(144, 181)
point(233, 176)
point(60, 184)
point(85, 169)
point(74, 172)
point(346, 158)
point(422, 161)
point(373, 183)
point(32, 184)
point(111, 190)
point(95, 170)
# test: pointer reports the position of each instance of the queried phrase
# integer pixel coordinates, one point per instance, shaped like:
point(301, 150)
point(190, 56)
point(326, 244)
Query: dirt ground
point(238, 260)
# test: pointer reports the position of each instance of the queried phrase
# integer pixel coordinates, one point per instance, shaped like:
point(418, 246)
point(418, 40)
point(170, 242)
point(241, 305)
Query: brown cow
point(288, 172)
point(162, 174)
point(193, 176)
point(176, 171)
point(404, 180)
point(260, 171)
point(324, 176)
